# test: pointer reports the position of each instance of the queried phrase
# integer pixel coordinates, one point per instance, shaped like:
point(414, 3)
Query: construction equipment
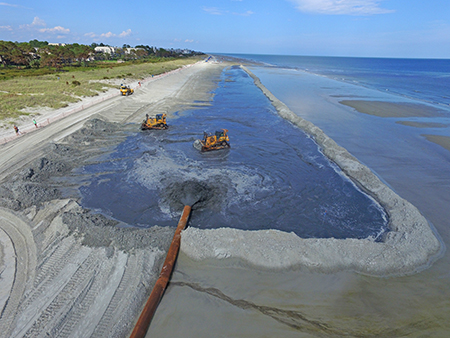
point(157, 122)
point(126, 90)
point(219, 140)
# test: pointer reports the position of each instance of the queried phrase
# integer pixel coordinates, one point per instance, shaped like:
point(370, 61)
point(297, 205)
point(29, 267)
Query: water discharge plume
point(190, 193)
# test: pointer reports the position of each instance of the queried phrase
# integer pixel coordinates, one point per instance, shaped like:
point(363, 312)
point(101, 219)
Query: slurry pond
point(273, 176)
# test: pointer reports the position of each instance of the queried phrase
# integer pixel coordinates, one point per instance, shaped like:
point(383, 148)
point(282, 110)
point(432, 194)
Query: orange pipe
point(141, 327)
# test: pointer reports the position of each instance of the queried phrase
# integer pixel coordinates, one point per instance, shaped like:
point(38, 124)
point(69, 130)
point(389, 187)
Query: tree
point(56, 56)
point(20, 54)
point(81, 52)
point(6, 49)
point(38, 44)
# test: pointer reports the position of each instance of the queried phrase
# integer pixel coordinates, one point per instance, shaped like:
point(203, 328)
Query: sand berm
point(68, 272)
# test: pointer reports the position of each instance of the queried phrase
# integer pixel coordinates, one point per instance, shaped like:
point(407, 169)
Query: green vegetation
point(70, 84)
point(35, 74)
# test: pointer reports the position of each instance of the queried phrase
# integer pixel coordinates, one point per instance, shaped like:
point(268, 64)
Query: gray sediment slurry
point(411, 244)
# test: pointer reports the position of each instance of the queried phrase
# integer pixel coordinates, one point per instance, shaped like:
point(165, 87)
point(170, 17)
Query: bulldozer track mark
point(54, 260)
point(36, 305)
point(25, 261)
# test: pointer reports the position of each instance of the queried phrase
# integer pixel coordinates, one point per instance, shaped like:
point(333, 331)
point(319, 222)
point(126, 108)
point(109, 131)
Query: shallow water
point(273, 176)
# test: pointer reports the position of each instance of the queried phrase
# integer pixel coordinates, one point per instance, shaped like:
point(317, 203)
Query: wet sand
point(422, 124)
point(391, 109)
point(443, 141)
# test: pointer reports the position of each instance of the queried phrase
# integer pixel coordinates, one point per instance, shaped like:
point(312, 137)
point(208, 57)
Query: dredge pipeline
point(140, 330)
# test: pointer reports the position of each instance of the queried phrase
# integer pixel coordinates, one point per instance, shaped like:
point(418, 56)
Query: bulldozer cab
point(126, 90)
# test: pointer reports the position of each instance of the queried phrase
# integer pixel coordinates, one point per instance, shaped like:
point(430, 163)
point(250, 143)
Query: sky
point(361, 28)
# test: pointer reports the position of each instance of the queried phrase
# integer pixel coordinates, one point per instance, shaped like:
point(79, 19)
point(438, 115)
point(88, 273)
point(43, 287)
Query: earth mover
point(219, 140)
point(157, 122)
point(126, 90)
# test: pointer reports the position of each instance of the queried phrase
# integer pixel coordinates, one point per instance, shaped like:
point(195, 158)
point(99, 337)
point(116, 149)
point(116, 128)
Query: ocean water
point(426, 80)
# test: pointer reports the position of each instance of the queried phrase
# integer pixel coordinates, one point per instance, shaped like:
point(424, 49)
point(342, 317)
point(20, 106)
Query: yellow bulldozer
point(126, 90)
point(219, 140)
point(157, 122)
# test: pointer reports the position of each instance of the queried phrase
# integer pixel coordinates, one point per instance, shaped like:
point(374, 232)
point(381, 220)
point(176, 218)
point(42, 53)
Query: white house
point(105, 49)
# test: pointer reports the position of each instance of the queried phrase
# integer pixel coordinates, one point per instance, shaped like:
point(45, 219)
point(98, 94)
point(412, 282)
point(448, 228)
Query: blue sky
point(378, 28)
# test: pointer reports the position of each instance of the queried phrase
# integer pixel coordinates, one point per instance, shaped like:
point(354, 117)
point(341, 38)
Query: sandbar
point(416, 124)
point(392, 109)
point(443, 141)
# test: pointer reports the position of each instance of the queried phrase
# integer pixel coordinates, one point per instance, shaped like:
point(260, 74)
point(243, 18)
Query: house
point(105, 49)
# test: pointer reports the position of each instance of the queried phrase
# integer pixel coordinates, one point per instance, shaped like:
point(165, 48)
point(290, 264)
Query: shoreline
point(409, 247)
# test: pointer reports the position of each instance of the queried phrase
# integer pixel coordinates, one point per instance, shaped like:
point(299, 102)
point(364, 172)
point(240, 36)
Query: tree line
point(41, 54)
point(35, 54)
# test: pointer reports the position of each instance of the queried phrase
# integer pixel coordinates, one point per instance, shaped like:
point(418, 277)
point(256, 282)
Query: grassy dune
point(61, 88)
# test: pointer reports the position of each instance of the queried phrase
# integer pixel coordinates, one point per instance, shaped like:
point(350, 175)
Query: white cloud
point(108, 35)
point(187, 40)
point(9, 5)
point(218, 11)
point(57, 29)
point(12, 5)
point(125, 33)
point(6, 28)
point(248, 13)
point(36, 22)
point(214, 10)
point(341, 7)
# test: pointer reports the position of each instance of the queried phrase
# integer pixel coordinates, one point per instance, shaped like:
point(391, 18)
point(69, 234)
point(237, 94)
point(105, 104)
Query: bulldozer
point(157, 122)
point(126, 90)
point(219, 140)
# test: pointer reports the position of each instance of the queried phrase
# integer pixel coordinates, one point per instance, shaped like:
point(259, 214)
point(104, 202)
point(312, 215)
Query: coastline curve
point(409, 247)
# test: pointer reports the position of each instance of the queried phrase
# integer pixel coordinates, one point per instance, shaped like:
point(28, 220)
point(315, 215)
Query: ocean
point(426, 80)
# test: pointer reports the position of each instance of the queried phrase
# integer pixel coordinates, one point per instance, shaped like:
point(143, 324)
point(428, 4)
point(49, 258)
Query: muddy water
point(274, 176)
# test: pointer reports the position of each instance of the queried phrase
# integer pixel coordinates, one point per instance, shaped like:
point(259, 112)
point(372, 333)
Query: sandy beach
point(75, 273)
